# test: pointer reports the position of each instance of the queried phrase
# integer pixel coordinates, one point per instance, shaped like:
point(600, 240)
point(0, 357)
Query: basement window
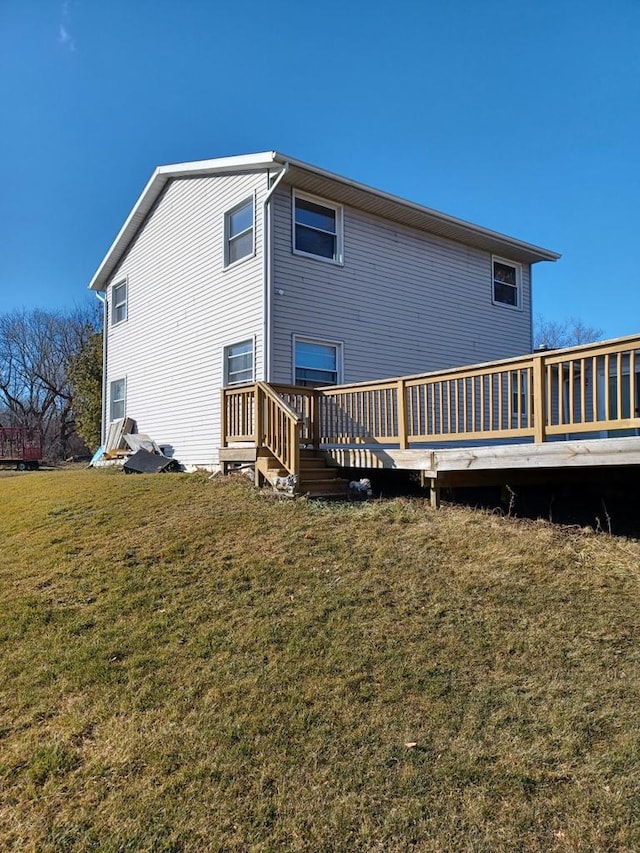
point(238, 363)
point(507, 283)
point(519, 399)
point(317, 228)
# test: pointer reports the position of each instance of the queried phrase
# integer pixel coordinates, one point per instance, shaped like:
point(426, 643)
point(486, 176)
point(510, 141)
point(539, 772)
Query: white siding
point(404, 302)
point(183, 308)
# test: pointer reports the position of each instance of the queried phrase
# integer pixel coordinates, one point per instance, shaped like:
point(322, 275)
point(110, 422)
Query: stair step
point(324, 488)
point(318, 474)
point(272, 473)
point(311, 462)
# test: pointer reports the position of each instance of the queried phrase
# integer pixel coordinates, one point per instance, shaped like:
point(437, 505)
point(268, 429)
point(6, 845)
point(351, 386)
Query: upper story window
point(117, 396)
point(507, 286)
point(316, 362)
point(238, 363)
point(238, 233)
point(317, 228)
point(119, 303)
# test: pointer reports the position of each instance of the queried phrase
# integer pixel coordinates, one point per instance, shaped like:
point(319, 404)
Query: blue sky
point(523, 117)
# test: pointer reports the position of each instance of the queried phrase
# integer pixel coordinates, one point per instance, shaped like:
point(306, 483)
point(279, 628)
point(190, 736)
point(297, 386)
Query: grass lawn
point(191, 665)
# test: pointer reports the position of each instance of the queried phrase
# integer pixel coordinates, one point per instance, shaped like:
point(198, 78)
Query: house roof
point(314, 180)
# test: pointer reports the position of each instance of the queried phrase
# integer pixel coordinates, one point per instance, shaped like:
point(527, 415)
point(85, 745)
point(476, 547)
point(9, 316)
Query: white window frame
point(518, 285)
point(113, 399)
point(227, 237)
point(338, 345)
point(225, 357)
point(124, 302)
point(339, 232)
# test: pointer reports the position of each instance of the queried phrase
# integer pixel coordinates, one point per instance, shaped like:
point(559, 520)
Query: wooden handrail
point(279, 401)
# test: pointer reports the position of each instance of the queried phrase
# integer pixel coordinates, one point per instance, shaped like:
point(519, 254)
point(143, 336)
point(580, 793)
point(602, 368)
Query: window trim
point(339, 234)
point(122, 400)
point(251, 199)
point(518, 285)
point(225, 362)
point(308, 339)
point(115, 305)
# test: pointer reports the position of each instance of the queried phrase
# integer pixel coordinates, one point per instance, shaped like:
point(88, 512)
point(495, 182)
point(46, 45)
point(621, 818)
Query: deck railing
point(591, 388)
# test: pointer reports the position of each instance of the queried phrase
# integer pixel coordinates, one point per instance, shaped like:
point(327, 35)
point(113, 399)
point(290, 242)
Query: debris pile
point(137, 452)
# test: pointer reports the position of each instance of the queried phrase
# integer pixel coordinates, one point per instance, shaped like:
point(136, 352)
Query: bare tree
point(571, 331)
point(36, 351)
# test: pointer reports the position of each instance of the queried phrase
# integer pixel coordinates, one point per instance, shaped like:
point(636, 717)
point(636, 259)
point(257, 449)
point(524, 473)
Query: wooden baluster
point(633, 410)
point(571, 393)
point(258, 406)
point(402, 414)
point(619, 385)
point(224, 419)
point(491, 386)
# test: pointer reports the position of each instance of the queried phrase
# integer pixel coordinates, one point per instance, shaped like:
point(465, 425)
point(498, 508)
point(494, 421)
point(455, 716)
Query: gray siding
point(404, 302)
point(183, 308)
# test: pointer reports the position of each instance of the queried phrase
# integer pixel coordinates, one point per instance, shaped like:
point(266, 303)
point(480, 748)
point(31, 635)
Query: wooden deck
point(571, 408)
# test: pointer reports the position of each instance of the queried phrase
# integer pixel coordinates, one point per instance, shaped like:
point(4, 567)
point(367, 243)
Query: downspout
point(103, 431)
point(531, 332)
point(268, 273)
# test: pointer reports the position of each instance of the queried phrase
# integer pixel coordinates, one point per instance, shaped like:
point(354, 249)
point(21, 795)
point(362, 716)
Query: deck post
point(538, 407)
point(402, 415)
point(223, 425)
point(296, 436)
point(434, 493)
point(223, 418)
point(315, 418)
point(258, 420)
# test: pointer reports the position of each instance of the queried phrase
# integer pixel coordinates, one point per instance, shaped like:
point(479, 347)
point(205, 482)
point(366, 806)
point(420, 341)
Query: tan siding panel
point(404, 302)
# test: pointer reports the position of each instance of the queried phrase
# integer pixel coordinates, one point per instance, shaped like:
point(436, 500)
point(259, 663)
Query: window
point(317, 228)
point(119, 303)
point(316, 363)
point(506, 283)
point(238, 233)
point(238, 363)
point(117, 394)
point(519, 398)
point(627, 410)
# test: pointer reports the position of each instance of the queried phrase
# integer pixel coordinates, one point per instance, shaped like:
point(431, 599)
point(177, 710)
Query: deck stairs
point(317, 479)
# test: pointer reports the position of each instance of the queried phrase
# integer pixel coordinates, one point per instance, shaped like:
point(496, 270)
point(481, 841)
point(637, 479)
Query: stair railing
point(278, 427)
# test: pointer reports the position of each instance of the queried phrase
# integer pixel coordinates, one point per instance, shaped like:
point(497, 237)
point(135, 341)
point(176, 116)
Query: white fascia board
point(219, 165)
point(140, 209)
point(545, 254)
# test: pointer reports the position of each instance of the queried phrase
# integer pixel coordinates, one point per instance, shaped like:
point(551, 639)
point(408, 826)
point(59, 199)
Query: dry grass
point(193, 666)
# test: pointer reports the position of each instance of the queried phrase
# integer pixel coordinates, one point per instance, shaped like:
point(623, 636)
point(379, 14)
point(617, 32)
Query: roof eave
point(266, 160)
point(541, 253)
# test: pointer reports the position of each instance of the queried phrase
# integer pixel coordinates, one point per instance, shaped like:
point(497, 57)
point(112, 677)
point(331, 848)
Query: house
point(265, 268)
